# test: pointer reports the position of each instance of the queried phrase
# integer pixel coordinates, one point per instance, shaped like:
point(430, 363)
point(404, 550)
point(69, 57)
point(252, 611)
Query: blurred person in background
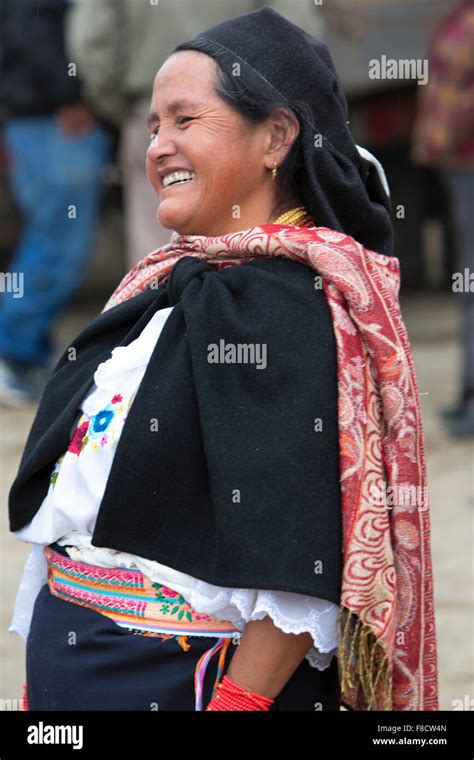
point(119, 45)
point(443, 138)
point(56, 151)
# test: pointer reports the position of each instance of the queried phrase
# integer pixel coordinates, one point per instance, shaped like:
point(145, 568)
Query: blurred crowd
point(75, 87)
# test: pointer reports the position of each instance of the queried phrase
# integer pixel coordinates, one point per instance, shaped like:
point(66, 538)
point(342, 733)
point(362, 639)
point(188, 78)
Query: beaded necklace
point(298, 215)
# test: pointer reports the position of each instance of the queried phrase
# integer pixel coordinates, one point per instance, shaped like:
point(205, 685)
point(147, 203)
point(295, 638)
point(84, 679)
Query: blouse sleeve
point(291, 613)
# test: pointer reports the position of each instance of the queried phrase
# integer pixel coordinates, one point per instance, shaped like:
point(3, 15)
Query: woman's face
point(192, 129)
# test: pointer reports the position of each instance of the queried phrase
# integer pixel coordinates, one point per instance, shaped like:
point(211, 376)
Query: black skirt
point(80, 659)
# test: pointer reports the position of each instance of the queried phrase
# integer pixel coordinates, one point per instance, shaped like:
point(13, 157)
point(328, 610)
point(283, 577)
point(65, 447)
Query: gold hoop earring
point(274, 172)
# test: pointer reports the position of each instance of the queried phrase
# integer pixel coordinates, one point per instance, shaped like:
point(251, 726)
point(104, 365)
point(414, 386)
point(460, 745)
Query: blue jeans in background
point(57, 182)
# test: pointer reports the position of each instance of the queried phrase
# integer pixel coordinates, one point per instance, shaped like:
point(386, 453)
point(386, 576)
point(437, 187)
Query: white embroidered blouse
point(77, 484)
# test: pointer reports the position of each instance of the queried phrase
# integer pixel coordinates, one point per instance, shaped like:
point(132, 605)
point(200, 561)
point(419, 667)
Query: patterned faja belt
point(134, 601)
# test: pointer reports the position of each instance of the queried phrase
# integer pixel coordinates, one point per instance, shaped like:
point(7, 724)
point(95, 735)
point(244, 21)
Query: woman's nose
point(160, 146)
point(153, 150)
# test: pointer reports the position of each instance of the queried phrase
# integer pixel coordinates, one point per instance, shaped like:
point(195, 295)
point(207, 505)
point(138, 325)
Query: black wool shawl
point(227, 470)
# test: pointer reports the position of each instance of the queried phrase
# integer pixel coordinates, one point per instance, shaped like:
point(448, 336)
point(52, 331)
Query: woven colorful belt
point(134, 601)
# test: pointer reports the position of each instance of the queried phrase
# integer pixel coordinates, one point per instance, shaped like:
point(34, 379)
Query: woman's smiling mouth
point(175, 186)
point(177, 178)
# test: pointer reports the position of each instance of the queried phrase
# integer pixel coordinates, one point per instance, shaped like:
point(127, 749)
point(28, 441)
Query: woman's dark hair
point(248, 95)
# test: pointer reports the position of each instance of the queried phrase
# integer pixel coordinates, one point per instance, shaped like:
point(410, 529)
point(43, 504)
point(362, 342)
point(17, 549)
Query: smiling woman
point(232, 512)
point(231, 193)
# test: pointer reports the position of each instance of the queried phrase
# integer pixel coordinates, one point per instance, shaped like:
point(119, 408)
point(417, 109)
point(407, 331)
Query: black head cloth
point(342, 185)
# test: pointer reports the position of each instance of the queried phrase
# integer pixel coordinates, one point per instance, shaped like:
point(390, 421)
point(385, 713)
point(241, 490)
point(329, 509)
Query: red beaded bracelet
point(232, 696)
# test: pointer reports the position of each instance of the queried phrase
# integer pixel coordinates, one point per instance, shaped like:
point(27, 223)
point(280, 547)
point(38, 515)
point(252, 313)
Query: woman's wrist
point(230, 695)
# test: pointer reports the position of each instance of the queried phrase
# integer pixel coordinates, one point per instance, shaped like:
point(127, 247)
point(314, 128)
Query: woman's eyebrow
point(174, 106)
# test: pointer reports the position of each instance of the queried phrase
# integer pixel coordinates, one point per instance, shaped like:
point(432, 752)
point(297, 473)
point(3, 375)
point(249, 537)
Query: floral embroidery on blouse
point(100, 429)
point(55, 471)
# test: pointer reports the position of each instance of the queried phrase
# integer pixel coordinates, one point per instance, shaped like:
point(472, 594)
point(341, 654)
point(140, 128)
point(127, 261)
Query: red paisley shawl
point(387, 641)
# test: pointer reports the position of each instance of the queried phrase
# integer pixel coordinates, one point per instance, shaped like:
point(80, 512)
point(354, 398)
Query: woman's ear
point(283, 129)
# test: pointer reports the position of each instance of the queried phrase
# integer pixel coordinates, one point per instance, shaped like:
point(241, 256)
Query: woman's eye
point(180, 120)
